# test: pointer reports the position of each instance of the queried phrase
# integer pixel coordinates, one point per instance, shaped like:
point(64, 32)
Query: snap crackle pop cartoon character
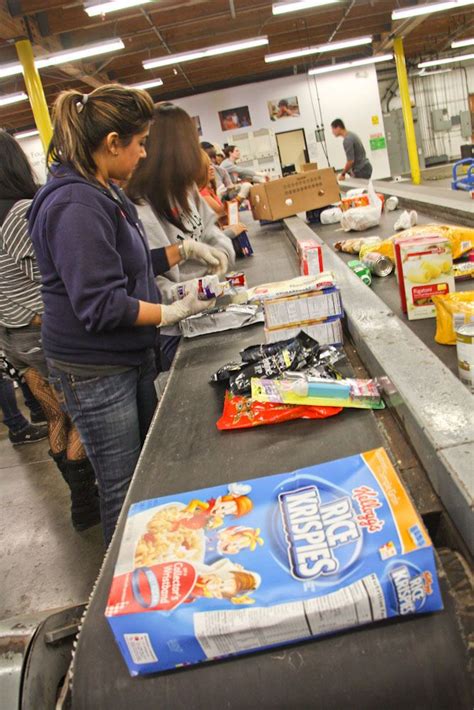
point(211, 514)
point(231, 540)
point(225, 580)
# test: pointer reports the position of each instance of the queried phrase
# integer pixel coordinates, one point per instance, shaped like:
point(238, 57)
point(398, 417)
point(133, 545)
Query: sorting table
point(417, 663)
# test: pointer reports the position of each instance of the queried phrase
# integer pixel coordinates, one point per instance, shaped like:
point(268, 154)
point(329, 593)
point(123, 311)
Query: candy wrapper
point(243, 413)
point(231, 569)
point(298, 355)
point(306, 389)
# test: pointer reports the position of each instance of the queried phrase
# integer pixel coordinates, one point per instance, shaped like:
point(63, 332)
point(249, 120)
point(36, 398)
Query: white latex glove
point(190, 305)
point(215, 260)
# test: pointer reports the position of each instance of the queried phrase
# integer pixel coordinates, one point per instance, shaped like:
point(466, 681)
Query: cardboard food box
point(311, 258)
point(424, 269)
point(287, 196)
point(327, 332)
point(306, 308)
point(308, 166)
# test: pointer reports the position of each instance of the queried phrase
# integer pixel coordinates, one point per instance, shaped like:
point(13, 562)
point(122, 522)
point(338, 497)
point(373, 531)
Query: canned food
point(378, 264)
point(465, 354)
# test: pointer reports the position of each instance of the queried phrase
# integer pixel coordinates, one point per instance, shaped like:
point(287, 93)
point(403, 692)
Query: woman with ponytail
point(101, 304)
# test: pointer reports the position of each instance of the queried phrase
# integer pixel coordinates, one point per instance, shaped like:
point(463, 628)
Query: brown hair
point(203, 178)
point(228, 149)
point(173, 164)
point(82, 121)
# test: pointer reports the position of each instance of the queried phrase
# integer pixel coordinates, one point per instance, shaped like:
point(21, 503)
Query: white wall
point(439, 91)
point(351, 95)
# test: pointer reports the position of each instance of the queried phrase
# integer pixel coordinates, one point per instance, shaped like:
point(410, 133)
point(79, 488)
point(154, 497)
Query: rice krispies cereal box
point(232, 569)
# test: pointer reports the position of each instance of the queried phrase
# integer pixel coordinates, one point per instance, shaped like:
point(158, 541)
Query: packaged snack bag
point(461, 239)
point(250, 566)
point(452, 310)
point(242, 413)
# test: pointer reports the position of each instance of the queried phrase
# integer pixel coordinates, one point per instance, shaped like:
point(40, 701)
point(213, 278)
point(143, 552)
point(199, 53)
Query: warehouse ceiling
point(166, 26)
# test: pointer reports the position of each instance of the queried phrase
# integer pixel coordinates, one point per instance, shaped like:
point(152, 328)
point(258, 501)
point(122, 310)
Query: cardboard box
point(311, 258)
point(326, 332)
point(424, 269)
point(297, 310)
point(308, 166)
point(287, 196)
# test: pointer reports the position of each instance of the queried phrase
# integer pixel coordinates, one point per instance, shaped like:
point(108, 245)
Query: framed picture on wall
point(283, 108)
point(233, 118)
point(197, 123)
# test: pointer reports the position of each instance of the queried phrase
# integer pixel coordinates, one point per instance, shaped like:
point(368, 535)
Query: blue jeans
point(12, 417)
point(112, 415)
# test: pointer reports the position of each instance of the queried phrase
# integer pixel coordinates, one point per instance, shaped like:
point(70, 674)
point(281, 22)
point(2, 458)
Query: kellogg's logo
point(411, 592)
point(368, 501)
point(315, 530)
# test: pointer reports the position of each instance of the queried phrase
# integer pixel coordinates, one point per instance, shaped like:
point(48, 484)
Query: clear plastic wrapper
point(303, 388)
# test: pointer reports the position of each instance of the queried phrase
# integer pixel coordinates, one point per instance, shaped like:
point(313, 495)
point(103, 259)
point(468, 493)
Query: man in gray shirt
point(357, 165)
point(239, 172)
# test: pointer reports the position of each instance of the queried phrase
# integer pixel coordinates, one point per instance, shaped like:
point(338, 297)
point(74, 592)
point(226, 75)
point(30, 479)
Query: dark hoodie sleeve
point(81, 242)
point(159, 261)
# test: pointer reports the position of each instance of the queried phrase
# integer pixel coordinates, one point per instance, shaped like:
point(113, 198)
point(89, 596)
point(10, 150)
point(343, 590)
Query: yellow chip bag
point(461, 239)
point(452, 310)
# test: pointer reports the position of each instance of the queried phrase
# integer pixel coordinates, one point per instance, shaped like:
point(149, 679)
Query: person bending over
point(357, 164)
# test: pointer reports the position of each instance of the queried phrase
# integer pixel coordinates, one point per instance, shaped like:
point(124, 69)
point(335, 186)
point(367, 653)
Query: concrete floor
point(44, 563)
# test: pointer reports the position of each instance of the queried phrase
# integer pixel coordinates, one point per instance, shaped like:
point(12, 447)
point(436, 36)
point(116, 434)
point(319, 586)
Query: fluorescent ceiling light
point(146, 84)
point(349, 65)
point(204, 53)
point(26, 134)
point(280, 8)
point(102, 8)
point(428, 8)
point(446, 60)
point(13, 98)
point(423, 72)
point(68, 55)
point(462, 43)
point(329, 47)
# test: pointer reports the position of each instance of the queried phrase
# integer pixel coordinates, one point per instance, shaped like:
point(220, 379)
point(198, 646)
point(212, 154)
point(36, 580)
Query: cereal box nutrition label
point(224, 632)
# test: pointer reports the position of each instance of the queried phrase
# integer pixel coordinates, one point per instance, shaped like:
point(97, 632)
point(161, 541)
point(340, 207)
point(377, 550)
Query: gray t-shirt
point(355, 151)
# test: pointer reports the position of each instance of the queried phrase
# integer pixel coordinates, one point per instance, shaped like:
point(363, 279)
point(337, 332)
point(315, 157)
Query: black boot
point(80, 477)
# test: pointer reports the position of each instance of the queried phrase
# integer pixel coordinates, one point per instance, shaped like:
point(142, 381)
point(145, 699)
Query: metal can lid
point(466, 329)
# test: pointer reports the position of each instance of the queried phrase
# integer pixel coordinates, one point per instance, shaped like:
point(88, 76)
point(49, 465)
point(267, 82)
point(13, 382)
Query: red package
point(243, 412)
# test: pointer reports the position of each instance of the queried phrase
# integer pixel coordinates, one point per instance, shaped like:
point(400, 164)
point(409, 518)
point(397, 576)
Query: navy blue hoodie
point(96, 266)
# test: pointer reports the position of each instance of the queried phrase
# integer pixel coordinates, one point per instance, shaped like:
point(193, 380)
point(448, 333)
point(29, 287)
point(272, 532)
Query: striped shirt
point(20, 279)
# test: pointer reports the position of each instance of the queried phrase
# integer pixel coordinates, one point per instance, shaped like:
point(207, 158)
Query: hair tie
point(80, 104)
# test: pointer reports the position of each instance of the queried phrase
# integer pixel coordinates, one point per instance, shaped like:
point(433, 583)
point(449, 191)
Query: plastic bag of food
point(361, 218)
point(247, 566)
point(354, 246)
point(406, 220)
point(461, 239)
point(452, 310)
point(332, 215)
point(243, 413)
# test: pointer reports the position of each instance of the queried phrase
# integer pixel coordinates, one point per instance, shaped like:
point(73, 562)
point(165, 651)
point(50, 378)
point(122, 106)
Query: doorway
point(292, 149)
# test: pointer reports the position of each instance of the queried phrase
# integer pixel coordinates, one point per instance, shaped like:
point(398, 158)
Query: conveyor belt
point(417, 663)
point(387, 288)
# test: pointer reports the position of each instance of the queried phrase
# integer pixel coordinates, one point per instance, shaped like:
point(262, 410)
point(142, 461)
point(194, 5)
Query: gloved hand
point(190, 305)
point(215, 260)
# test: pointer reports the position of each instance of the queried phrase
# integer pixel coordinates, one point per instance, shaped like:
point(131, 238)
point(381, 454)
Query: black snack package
point(223, 373)
point(302, 352)
point(254, 353)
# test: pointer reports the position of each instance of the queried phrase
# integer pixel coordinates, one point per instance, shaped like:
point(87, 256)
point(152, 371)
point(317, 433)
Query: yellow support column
point(35, 91)
point(406, 110)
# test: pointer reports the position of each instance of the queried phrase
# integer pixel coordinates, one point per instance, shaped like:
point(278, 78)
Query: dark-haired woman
point(21, 309)
point(171, 208)
point(101, 305)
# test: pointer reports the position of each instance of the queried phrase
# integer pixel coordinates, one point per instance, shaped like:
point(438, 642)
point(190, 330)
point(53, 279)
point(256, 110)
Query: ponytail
point(82, 121)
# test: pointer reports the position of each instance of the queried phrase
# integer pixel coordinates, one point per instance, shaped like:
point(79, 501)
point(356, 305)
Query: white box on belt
point(296, 310)
point(326, 332)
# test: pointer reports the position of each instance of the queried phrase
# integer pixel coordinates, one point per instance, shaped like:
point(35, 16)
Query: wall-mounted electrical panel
point(440, 119)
